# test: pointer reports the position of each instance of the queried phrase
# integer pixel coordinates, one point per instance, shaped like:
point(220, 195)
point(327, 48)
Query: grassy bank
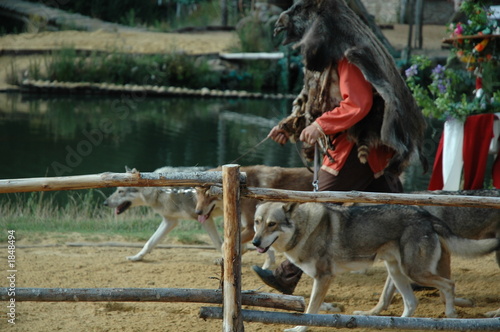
point(169, 69)
point(154, 15)
point(254, 31)
point(35, 216)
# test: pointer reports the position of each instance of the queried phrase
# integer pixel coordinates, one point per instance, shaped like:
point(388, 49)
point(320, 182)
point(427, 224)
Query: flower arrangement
point(444, 91)
point(472, 39)
point(469, 83)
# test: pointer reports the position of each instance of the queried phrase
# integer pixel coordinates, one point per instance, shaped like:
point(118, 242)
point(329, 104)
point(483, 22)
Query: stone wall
point(387, 11)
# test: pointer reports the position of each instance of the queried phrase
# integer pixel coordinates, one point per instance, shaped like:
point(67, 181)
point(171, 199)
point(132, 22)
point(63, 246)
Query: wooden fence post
point(232, 319)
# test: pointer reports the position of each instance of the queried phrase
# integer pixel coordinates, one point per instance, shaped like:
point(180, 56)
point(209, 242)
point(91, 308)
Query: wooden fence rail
point(105, 180)
point(190, 179)
point(369, 197)
point(350, 321)
point(269, 300)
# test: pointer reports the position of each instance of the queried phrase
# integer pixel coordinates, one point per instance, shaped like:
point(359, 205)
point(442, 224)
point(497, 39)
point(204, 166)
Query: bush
point(162, 15)
point(173, 69)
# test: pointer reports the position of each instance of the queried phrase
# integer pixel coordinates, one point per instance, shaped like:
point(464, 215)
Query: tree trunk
point(224, 13)
point(419, 18)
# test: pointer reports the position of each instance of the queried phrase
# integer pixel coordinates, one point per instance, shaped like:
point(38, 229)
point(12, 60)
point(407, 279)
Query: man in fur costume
point(354, 104)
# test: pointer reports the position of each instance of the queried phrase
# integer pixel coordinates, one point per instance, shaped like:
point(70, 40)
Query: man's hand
point(278, 135)
point(310, 134)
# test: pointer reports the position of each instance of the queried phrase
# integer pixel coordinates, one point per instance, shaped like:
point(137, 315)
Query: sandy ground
point(74, 267)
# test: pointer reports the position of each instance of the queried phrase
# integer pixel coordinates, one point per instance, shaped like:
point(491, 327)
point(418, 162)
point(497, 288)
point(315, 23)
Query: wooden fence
point(233, 187)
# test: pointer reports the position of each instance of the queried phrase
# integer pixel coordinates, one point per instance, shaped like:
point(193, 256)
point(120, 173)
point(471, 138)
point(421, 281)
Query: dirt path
point(193, 268)
point(14, 47)
point(124, 41)
point(191, 43)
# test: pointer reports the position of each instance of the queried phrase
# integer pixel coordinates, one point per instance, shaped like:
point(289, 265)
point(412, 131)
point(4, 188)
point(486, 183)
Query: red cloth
point(436, 182)
point(357, 100)
point(478, 132)
point(495, 172)
point(479, 83)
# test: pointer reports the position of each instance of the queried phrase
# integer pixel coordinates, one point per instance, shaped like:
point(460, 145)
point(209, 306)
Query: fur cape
point(327, 31)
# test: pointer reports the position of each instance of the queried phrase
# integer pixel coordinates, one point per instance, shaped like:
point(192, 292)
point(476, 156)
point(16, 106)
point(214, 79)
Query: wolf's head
point(274, 226)
point(206, 202)
point(124, 198)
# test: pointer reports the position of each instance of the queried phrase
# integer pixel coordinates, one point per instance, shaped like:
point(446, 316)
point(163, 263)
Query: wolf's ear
point(289, 207)
point(133, 170)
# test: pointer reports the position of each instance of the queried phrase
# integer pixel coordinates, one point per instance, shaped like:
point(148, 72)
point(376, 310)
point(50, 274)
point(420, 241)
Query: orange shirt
point(357, 100)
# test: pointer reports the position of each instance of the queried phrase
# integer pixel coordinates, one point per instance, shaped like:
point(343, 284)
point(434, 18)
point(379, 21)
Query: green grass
point(38, 216)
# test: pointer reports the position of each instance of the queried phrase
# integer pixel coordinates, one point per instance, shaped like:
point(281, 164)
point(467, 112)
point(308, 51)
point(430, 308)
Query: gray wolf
point(327, 31)
point(327, 239)
point(299, 178)
point(472, 223)
point(173, 204)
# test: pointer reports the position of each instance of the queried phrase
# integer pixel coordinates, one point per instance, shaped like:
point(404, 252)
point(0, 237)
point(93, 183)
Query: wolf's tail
point(465, 247)
point(471, 248)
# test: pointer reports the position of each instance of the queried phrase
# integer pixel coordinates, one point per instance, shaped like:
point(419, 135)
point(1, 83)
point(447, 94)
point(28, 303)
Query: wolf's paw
point(331, 307)
point(268, 264)
point(452, 314)
point(362, 271)
point(270, 260)
point(219, 261)
point(135, 258)
point(365, 313)
point(493, 314)
point(297, 329)
point(461, 302)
